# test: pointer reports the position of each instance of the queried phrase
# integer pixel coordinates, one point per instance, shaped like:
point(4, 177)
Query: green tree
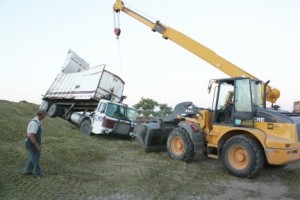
point(164, 110)
point(149, 107)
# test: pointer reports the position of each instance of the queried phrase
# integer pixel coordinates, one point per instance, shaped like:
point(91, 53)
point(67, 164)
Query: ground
point(83, 167)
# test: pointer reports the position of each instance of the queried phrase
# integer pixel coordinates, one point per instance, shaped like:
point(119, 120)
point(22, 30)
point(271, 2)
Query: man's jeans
point(33, 162)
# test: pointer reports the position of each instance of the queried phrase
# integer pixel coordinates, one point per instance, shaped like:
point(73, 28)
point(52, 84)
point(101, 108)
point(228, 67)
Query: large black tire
point(243, 156)
point(44, 105)
point(180, 145)
point(85, 127)
point(53, 110)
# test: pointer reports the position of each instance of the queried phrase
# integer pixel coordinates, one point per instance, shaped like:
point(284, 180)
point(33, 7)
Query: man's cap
point(41, 112)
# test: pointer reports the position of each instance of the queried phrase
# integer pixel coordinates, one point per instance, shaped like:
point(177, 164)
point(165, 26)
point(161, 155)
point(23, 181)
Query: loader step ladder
point(212, 151)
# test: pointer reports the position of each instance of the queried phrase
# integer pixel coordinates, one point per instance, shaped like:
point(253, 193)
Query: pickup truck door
point(98, 118)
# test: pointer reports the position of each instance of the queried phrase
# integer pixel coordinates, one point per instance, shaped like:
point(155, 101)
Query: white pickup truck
point(89, 97)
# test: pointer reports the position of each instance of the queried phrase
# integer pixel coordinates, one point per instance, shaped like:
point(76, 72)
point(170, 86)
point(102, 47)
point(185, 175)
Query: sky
point(260, 36)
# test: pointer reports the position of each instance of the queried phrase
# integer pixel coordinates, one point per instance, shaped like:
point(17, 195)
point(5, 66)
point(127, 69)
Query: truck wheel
point(53, 110)
point(243, 156)
point(180, 145)
point(44, 105)
point(85, 127)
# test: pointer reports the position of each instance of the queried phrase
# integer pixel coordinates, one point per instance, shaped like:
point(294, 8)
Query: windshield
point(121, 112)
point(243, 95)
point(225, 94)
point(256, 93)
point(132, 114)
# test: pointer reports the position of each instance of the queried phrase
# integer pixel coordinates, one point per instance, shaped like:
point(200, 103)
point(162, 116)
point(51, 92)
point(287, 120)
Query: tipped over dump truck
point(90, 97)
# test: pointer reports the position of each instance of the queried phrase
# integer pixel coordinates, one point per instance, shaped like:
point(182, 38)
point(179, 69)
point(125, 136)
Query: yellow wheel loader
point(244, 134)
point(240, 130)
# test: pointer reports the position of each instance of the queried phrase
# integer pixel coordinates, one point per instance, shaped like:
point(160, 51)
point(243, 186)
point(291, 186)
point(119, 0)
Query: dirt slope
point(81, 167)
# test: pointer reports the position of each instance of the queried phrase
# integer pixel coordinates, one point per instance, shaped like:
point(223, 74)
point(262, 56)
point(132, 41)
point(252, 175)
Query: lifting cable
point(117, 32)
point(117, 29)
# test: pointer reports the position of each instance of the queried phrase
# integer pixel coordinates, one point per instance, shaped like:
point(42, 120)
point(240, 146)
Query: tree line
point(148, 107)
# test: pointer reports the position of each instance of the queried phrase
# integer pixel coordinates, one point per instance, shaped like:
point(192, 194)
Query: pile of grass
point(66, 155)
point(81, 167)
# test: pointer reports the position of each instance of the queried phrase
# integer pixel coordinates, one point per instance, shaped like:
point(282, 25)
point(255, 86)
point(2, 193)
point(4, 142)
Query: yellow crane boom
point(196, 48)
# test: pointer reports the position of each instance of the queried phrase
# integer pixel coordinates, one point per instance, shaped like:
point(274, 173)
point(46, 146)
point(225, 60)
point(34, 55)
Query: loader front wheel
point(243, 156)
point(180, 146)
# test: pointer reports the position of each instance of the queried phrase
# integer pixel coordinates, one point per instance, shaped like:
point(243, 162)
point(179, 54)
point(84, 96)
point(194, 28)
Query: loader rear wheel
point(243, 156)
point(180, 145)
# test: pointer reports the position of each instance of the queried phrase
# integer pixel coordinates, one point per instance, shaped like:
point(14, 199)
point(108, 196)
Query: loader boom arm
point(195, 47)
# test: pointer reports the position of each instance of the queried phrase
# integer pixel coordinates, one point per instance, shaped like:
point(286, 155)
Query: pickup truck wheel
point(243, 156)
point(53, 110)
point(180, 145)
point(86, 128)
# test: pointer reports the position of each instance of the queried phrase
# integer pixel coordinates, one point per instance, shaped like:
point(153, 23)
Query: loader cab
point(235, 99)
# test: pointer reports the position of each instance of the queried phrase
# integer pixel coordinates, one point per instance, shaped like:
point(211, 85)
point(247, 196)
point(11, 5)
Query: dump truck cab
point(108, 118)
point(112, 117)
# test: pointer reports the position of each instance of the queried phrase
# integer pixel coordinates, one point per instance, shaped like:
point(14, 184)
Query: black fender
point(197, 137)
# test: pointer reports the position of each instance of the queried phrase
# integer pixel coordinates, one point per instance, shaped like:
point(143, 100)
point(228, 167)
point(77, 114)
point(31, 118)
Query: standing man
point(33, 144)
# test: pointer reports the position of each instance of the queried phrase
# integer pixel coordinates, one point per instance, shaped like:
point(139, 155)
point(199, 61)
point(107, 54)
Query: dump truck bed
point(80, 87)
point(94, 83)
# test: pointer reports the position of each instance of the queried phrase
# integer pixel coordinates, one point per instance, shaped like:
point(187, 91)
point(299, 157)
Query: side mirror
point(209, 86)
point(101, 111)
point(102, 107)
point(211, 82)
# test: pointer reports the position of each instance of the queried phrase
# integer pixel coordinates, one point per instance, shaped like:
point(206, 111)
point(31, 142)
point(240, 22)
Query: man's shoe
point(38, 177)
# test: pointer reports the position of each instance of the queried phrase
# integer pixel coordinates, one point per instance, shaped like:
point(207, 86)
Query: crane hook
point(117, 32)
point(117, 29)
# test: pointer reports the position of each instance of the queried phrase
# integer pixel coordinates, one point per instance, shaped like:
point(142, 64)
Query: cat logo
point(270, 126)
